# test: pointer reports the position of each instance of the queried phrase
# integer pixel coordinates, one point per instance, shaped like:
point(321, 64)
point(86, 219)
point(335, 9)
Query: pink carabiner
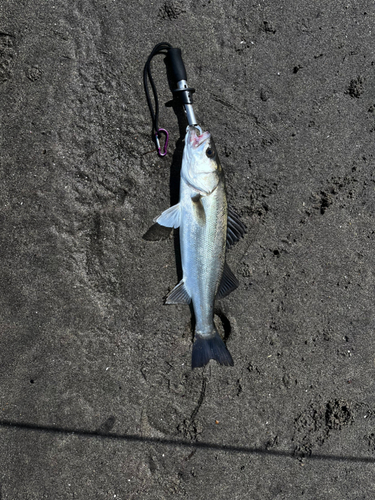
point(158, 142)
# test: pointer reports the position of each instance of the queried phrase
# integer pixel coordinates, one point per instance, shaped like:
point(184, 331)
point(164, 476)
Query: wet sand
point(97, 397)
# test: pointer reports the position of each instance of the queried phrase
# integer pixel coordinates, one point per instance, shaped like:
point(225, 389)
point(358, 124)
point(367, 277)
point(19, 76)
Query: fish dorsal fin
point(170, 217)
point(235, 229)
point(228, 283)
point(179, 295)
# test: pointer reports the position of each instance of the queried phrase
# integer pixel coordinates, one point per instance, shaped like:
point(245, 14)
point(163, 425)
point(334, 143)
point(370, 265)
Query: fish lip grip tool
point(182, 91)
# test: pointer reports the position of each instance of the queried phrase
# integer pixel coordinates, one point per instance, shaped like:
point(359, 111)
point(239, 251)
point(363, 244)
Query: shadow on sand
point(48, 429)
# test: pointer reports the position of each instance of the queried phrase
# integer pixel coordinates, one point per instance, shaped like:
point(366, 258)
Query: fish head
point(200, 164)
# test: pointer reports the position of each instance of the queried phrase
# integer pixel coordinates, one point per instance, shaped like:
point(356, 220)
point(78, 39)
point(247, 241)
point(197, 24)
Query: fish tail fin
point(206, 348)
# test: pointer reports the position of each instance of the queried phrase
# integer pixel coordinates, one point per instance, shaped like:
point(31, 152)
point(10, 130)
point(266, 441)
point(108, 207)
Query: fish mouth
point(196, 140)
point(204, 140)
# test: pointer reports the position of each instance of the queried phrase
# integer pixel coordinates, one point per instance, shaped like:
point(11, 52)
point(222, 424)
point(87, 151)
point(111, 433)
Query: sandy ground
point(97, 397)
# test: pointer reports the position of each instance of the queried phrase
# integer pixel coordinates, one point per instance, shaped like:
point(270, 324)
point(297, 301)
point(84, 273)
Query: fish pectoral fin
point(228, 283)
point(157, 233)
point(179, 295)
point(170, 217)
point(198, 209)
point(236, 228)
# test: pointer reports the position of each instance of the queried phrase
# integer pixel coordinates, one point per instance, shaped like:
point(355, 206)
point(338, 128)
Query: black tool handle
point(175, 62)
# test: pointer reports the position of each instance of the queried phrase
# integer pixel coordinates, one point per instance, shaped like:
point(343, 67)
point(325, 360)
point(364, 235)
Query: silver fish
point(207, 228)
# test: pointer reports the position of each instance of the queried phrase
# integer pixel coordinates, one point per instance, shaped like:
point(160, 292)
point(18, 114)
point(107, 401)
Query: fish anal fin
point(228, 283)
point(179, 295)
point(170, 217)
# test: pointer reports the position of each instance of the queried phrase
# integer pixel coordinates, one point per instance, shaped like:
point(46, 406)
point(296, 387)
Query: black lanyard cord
point(182, 91)
point(160, 48)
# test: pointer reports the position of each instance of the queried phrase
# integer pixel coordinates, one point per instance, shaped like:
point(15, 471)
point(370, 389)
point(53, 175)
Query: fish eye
point(210, 153)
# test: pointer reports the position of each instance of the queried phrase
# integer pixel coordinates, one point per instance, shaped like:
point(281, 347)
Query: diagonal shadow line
point(179, 442)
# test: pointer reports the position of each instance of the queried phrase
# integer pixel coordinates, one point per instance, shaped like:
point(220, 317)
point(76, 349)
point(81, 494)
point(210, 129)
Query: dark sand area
point(97, 396)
